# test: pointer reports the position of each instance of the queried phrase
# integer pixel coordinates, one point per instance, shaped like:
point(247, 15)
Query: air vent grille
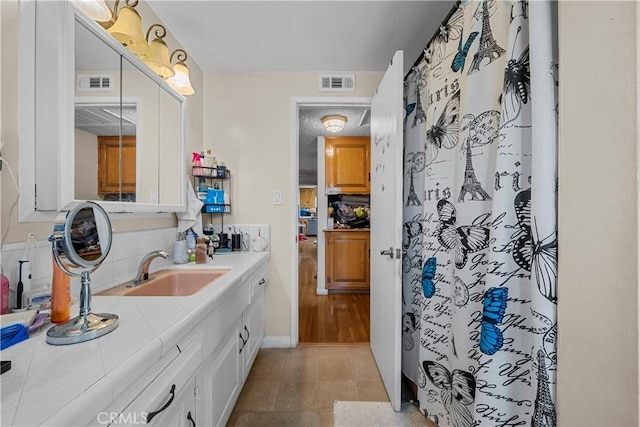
point(91, 83)
point(337, 83)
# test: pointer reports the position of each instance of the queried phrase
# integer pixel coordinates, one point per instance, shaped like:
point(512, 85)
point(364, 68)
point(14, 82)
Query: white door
point(386, 227)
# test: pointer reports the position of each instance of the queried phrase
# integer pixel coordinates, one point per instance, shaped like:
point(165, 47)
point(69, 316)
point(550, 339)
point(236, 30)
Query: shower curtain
point(480, 230)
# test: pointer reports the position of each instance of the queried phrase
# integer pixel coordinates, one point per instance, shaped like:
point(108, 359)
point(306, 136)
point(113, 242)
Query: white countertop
point(44, 379)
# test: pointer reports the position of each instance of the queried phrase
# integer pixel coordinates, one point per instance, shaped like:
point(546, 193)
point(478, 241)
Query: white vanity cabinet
point(222, 375)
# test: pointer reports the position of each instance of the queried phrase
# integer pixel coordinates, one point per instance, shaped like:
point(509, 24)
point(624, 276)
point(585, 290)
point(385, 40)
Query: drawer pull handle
point(248, 335)
point(243, 342)
point(190, 418)
point(166, 405)
point(262, 282)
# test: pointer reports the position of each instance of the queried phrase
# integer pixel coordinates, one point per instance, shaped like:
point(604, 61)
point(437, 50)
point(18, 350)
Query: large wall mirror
point(119, 137)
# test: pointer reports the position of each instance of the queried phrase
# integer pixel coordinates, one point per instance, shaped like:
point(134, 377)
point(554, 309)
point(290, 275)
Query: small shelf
point(210, 172)
point(216, 178)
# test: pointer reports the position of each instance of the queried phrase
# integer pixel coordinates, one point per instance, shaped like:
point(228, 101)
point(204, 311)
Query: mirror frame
point(61, 239)
point(55, 165)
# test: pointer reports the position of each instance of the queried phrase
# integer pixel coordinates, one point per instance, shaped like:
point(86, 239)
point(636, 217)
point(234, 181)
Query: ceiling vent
point(91, 83)
point(337, 83)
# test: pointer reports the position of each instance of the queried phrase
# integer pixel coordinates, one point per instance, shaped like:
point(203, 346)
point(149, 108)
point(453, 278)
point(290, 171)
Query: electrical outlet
point(277, 197)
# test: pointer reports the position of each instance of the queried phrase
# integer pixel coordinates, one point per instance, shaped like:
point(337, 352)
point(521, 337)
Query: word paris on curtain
point(480, 228)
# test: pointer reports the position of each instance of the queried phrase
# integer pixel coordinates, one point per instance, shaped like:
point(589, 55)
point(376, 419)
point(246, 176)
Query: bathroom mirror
point(96, 123)
point(80, 242)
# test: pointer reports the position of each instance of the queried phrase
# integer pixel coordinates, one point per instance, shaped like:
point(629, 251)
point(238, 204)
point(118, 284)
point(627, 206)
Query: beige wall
point(10, 229)
point(247, 124)
point(598, 214)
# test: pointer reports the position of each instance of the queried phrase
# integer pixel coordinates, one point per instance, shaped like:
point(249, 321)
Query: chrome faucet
point(143, 269)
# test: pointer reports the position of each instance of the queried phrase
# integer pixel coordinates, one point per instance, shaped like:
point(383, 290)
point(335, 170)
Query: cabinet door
point(220, 381)
point(253, 330)
point(347, 260)
point(109, 164)
point(307, 198)
point(348, 165)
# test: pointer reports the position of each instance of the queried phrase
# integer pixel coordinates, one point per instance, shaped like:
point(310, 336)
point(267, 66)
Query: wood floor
point(327, 319)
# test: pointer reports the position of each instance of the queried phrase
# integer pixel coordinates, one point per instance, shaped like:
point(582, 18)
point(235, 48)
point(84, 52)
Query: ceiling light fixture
point(126, 27)
point(158, 57)
point(334, 122)
point(180, 81)
point(94, 9)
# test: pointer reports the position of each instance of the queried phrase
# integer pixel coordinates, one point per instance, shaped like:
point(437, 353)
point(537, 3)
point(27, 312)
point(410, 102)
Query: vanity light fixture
point(334, 122)
point(94, 9)
point(126, 27)
point(158, 57)
point(180, 81)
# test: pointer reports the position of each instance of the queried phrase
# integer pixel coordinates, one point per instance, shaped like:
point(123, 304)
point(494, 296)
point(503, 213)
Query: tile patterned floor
point(297, 387)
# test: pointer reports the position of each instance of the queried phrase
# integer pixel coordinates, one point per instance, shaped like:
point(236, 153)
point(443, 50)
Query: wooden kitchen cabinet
point(348, 165)
point(109, 152)
point(307, 197)
point(347, 260)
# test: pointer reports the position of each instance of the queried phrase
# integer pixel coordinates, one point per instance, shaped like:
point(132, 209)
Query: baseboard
point(276, 342)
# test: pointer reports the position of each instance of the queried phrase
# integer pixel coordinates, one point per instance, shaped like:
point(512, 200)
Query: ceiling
point(300, 35)
point(321, 36)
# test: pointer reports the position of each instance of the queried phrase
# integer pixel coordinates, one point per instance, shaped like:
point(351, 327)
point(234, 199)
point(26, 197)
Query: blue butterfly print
point(428, 273)
point(461, 56)
point(494, 305)
point(409, 108)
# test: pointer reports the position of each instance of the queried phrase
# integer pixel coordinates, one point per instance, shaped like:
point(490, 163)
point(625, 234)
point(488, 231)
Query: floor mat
point(369, 414)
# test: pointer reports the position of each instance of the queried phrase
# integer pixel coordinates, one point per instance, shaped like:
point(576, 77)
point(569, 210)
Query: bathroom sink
point(169, 283)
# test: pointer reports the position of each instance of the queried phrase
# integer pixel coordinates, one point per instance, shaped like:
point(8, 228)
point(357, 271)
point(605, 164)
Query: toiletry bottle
point(180, 250)
point(191, 240)
point(201, 190)
point(197, 164)
point(192, 255)
point(60, 296)
point(4, 294)
point(201, 251)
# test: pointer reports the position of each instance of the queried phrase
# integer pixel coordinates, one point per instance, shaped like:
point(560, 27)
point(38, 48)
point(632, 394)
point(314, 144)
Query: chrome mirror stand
point(80, 242)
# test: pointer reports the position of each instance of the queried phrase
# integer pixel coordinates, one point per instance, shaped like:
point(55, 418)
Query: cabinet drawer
point(169, 384)
point(259, 283)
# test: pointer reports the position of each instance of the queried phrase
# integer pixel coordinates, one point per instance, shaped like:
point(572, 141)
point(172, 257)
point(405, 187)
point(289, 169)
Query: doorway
point(318, 317)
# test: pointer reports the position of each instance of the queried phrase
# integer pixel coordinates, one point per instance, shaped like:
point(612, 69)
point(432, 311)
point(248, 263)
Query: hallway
point(328, 319)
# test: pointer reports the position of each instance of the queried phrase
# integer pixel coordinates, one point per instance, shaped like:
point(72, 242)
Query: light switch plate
point(277, 197)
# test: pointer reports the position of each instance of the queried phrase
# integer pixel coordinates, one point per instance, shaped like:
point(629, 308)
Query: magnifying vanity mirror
point(80, 242)
point(99, 124)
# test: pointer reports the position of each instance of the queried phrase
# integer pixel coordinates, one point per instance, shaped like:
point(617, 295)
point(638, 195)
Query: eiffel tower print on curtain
point(471, 183)
point(412, 198)
point(544, 414)
point(488, 47)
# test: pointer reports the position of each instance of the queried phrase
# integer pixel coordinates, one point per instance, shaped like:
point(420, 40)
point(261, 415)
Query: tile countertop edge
point(243, 264)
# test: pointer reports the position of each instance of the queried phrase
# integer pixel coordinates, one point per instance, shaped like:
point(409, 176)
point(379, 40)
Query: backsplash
point(121, 264)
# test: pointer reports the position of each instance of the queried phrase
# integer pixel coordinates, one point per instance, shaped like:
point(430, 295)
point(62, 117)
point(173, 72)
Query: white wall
point(247, 124)
point(598, 215)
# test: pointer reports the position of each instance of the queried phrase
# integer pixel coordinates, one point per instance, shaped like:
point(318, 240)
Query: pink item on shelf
point(4, 294)
point(198, 170)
